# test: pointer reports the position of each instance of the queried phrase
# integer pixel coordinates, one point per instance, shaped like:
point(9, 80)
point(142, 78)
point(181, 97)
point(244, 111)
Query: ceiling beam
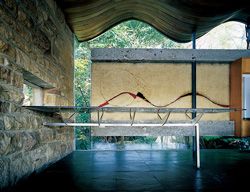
point(122, 55)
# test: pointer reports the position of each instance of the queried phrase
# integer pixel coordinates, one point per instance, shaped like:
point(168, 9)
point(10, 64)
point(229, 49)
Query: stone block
point(11, 52)
point(29, 6)
point(36, 122)
point(69, 147)
point(4, 107)
point(12, 142)
point(41, 41)
point(4, 172)
point(46, 135)
point(8, 107)
point(27, 122)
point(19, 167)
point(24, 19)
point(11, 77)
point(16, 143)
point(1, 124)
point(23, 33)
point(6, 15)
point(8, 94)
point(3, 45)
point(63, 133)
point(12, 6)
point(30, 140)
point(13, 122)
point(5, 142)
point(21, 121)
point(6, 32)
point(49, 28)
point(17, 80)
point(38, 157)
point(8, 76)
point(8, 122)
point(22, 58)
point(64, 149)
point(5, 74)
point(54, 151)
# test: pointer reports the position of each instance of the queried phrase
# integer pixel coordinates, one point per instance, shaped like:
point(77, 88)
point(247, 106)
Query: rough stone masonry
point(36, 46)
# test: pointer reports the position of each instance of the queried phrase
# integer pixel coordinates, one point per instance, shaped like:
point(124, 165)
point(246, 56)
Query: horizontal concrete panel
point(207, 128)
point(167, 55)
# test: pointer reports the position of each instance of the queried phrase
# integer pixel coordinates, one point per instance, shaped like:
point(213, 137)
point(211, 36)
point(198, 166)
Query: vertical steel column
point(194, 76)
point(197, 139)
point(194, 89)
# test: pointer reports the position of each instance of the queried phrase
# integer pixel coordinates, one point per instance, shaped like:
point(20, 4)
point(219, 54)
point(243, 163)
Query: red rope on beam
point(141, 96)
point(122, 93)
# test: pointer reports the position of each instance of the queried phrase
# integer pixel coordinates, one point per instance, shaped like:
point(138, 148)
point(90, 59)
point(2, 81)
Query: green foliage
point(83, 139)
point(82, 93)
point(216, 142)
point(28, 96)
point(132, 34)
point(146, 140)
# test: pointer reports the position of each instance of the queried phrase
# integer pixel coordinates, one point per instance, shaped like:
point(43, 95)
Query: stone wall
point(36, 46)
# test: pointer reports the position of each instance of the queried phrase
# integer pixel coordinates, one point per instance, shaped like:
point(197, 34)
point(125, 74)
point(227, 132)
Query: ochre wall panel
point(246, 65)
point(213, 82)
point(160, 84)
point(236, 94)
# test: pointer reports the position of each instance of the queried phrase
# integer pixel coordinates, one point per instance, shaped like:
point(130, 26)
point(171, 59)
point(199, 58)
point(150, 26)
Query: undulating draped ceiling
point(177, 19)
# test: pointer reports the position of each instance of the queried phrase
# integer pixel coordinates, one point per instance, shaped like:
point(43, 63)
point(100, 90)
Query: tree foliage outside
point(82, 98)
point(133, 34)
point(136, 34)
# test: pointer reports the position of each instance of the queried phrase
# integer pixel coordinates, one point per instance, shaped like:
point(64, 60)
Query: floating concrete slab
point(166, 55)
point(207, 128)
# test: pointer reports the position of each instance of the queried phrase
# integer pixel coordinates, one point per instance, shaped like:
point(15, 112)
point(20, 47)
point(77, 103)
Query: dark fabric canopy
point(177, 19)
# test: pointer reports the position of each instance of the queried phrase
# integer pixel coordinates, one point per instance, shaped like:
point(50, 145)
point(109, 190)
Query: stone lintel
point(33, 80)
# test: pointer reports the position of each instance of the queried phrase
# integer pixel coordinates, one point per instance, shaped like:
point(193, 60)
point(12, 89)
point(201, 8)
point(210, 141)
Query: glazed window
point(246, 96)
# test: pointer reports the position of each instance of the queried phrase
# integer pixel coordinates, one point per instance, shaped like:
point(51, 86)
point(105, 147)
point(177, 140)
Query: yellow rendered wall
point(160, 83)
point(213, 81)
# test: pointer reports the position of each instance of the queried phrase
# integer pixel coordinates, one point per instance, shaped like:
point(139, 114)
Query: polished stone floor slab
point(170, 170)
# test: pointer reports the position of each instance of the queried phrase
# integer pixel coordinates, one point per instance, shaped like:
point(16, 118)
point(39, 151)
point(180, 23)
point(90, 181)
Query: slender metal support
point(197, 118)
point(186, 113)
point(194, 76)
point(194, 86)
point(166, 118)
point(98, 117)
point(132, 117)
point(197, 142)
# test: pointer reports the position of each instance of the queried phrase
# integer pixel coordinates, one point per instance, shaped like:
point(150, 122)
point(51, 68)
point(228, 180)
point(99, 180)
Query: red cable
point(141, 96)
point(122, 93)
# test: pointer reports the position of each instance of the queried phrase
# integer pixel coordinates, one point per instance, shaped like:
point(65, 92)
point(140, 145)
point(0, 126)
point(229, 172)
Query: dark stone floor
point(171, 170)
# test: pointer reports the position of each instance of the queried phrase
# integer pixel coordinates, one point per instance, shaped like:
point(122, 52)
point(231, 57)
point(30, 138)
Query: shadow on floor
point(171, 170)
